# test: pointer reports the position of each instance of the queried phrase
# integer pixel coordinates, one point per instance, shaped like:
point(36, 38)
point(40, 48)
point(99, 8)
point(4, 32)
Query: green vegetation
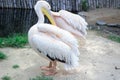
point(6, 78)
point(2, 56)
point(114, 38)
point(16, 40)
point(42, 78)
point(15, 66)
point(84, 5)
point(110, 36)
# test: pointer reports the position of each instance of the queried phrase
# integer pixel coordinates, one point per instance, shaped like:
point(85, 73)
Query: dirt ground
point(106, 14)
point(99, 60)
point(110, 16)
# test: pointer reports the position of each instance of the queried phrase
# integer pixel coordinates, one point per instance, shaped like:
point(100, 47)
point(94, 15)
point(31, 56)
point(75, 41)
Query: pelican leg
point(54, 64)
point(47, 67)
point(52, 71)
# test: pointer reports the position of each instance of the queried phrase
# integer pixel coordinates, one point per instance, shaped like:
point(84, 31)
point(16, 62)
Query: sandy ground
point(106, 14)
point(109, 16)
point(98, 60)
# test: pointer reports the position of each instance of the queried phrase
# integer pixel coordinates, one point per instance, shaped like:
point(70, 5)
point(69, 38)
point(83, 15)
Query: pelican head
point(43, 7)
point(42, 3)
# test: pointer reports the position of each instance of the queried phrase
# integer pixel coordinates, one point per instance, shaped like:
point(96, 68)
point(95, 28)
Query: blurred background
point(17, 16)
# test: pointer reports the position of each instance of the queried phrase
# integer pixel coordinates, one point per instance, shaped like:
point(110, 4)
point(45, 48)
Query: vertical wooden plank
point(113, 6)
point(66, 5)
point(63, 5)
point(98, 3)
point(69, 5)
point(94, 4)
point(56, 5)
point(90, 4)
point(1, 4)
point(69, 2)
point(53, 5)
point(118, 4)
point(114, 3)
point(88, 1)
point(30, 3)
point(19, 5)
point(5, 3)
point(104, 3)
point(79, 5)
point(107, 3)
point(59, 8)
point(14, 4)
point(76, 3)
point(94, 1)
point(111, 3)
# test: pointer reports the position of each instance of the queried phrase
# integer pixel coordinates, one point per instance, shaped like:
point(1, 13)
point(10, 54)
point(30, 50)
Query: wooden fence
point(70, 5)
point(93, 4)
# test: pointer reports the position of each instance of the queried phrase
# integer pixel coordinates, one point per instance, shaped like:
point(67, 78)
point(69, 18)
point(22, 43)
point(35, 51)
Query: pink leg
point(52, 71)
point(47, 67)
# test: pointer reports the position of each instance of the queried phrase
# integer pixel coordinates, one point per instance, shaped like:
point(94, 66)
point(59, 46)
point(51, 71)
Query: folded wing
point(76, 21)
point(56, 44)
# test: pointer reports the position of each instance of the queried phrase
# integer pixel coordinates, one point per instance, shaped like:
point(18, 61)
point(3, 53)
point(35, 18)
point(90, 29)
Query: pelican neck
point(39, 14)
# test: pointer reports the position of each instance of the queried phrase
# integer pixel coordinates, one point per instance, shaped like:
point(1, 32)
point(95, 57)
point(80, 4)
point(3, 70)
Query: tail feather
point(73, 63)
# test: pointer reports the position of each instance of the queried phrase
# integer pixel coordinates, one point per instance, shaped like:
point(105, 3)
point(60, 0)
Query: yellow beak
point(49, 16)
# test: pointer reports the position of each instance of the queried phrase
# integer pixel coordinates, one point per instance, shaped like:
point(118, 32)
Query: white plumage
point(51, 42)
point(71, 22)
point(55, 42)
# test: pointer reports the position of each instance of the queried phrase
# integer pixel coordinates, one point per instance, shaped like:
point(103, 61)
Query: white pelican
point(72, 23)
point(51, 42)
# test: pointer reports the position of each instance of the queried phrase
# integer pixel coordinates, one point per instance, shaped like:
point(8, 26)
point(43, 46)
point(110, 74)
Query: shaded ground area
point(98, 60)
point(106, 14)
point(110, 16)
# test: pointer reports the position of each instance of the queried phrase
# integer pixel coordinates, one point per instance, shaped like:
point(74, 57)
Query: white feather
point(64, 47)
point(52, 42)
point(62, 35)
point(76, 21)
point(71, 22)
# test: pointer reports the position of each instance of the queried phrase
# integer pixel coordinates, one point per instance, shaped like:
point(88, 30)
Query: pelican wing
point(51, 48)
point(55, 50)
point(76, 21)
point(56, 44)
point(63, 35)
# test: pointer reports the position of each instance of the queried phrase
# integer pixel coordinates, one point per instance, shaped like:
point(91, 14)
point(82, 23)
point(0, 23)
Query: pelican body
point(73, 23)
point(52, 42)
